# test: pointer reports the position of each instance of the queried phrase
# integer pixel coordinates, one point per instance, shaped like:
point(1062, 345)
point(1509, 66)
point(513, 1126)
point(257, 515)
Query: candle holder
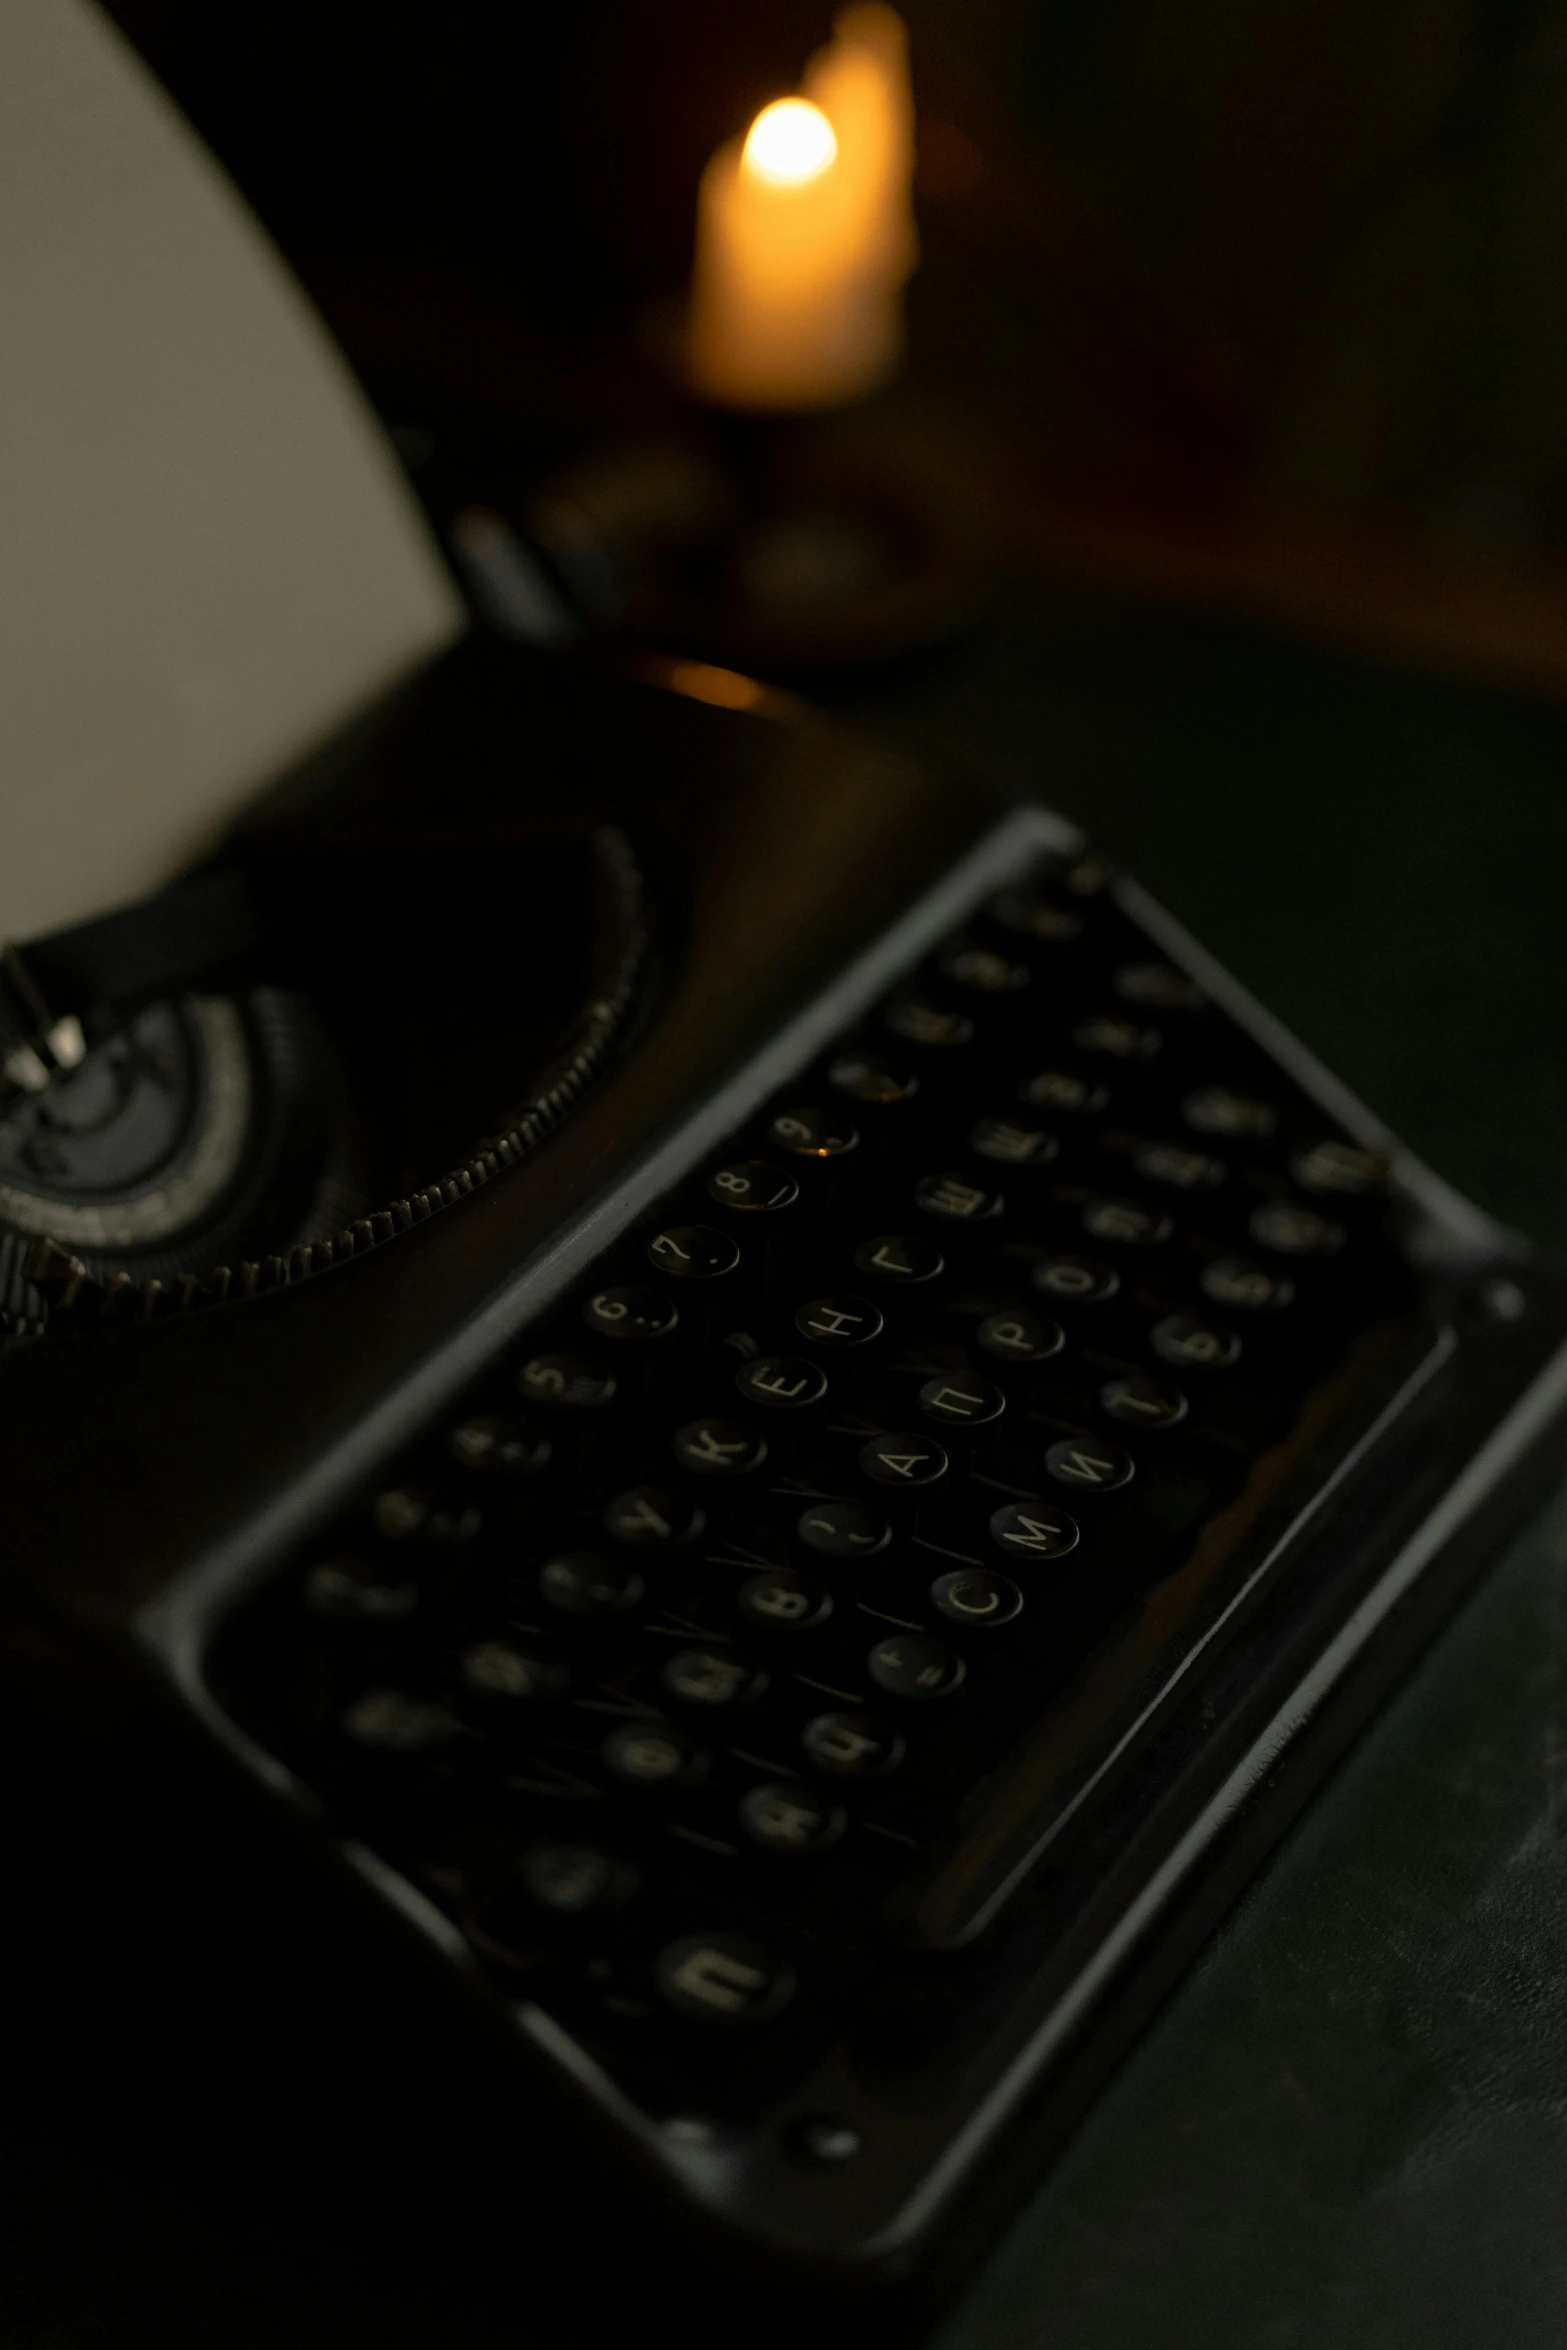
point(784, 544)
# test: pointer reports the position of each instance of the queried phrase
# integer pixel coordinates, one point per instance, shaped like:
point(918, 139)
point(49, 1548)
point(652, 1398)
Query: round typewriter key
point(513, 1672)
point(566, 1382)
point(1033, 1530)
point(631, 1316)
point(1177, 1167)
point(360, 1591)
point(718, 1448)
point(424, 1516)
point(1007, 1144)
point(1064, 1093)
point(1191, 1344)
point(1088, 1465)
point(722, 1979)
point(1021, 1337)
point(1138, 1400)
point(400, 1513)
point(791, 1819)
point(915, 1666)
point(851, 1745)
point(903, 1461)
point(781, 1383)
point(1111, 1036)
point(390, 1722)
point(902, 1258)
point(1295, 1231)
point(1341, 1170)
point(954, 1201)
point(813, 1133)
point(962, 1402)
point(652, 1517)
point(693, 1252)
point(1124, 1223)
point(500, 1445)
point(577, 1880)
point(984, 972)
point(752, 1187)
point(1245, 1288)
point(651, 1754)
point(839, 1321)
point(1088, 876)
point(928, 1025)
point(1075, 1280)
point(1234, 1117)
point(715, 1680)
point(781, 1601)
point(866, 1078)
point(825, 2139)
point(1158, 987)
point(1032, 914)
point(843, 1529)
point(590, 1587)
point(976, 1597)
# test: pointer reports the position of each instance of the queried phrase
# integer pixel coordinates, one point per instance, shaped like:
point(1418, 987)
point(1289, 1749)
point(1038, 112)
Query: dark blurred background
point(1257, 306)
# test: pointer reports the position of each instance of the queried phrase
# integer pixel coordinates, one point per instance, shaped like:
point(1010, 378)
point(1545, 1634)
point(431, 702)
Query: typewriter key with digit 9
point(826, 1674)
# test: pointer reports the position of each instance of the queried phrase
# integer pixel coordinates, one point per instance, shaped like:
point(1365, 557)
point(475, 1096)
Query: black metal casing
point(155, 1475)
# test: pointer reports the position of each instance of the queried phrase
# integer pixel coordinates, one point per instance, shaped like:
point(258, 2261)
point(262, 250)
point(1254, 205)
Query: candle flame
point(790, 142)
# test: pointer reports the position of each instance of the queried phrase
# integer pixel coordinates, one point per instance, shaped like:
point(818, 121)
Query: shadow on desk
point(1350, 2127)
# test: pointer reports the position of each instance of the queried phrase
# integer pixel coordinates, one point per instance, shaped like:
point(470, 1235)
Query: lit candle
point(805, 234)
point(861, 83)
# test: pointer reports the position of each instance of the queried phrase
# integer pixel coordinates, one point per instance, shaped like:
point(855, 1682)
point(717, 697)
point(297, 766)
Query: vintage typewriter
point(774, 1425)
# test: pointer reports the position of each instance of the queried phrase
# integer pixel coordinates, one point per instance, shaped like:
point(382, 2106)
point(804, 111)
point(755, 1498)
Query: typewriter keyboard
point(675, 1666)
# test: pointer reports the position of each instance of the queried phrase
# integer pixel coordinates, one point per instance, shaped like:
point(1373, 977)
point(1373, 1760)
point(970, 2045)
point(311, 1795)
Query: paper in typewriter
point(207, 555)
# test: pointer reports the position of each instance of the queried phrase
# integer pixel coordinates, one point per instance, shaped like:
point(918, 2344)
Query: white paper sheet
point(207, 554)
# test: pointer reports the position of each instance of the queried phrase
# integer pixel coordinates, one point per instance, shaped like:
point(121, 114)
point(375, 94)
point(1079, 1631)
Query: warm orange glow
point(805, 233)
point(726, 689)
point(861, 83)
point(790, 142)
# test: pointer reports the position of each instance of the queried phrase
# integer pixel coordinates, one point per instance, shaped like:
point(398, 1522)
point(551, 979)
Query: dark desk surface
point(1380, 856)
point(1350, 2124)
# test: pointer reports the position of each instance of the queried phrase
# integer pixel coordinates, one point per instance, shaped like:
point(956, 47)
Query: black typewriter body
point(803, 1599)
